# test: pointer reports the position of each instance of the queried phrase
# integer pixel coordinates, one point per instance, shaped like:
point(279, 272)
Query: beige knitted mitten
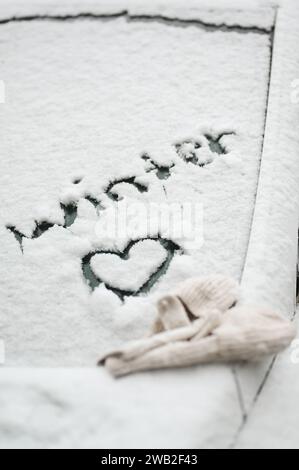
point(196, 325)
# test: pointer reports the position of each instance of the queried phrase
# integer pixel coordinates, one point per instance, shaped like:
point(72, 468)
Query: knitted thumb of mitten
point(195, 298)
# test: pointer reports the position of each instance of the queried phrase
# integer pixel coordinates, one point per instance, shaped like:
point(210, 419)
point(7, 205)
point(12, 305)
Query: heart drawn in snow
point(133, 271)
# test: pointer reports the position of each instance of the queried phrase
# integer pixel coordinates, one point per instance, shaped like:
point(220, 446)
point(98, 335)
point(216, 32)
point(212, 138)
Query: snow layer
point(85, 408)
point(273, 242)
point(273, 422)
point(50, 140)
point(206, 11)
point(86, 99)
point(272, 250)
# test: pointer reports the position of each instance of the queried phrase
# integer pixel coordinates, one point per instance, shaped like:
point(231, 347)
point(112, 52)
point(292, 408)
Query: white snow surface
point(86, 408)
point(85, 99)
